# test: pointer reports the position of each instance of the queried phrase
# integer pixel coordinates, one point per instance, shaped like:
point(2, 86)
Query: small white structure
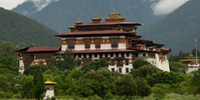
point(191, 62)
point(50, 89)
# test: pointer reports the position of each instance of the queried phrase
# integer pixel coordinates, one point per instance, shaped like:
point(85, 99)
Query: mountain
point(24, 31)
point(63, 13)
point(177, 30)
point(32, 6)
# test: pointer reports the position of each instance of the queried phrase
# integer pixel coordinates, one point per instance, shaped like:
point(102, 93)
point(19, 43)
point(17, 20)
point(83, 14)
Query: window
point(122, 54)
point(101, 55)
point(127, 54)
point(114, 43)
point(106, 55)
point(95, 55)
point(84, 55)
point(79, 55)
point(127, 61)
point(71, 44)
point(112, 69)
point(119, 62)
point(127, 70)
point(90, 55)
point(111, 54)
point(97, 43)
point(120, 70)
point(87, 43)
point(144, 55)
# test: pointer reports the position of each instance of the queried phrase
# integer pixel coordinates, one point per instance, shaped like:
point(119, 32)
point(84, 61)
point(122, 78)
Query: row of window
point(119, 62)
point(71, 43)
point(101, 55)
point(120, 70)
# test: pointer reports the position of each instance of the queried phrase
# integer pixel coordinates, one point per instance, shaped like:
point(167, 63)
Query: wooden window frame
point(97, 43)
point(114, 43)
point(71, 44)
point(127, 70)
point(87, 43)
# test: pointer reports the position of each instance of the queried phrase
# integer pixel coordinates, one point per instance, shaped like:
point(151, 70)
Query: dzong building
point(114, 40)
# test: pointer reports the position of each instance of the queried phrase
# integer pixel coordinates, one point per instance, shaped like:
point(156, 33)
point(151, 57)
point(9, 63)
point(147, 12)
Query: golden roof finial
point(78, 22)
point(190, 55)
point(114, 11)
point(96, 16)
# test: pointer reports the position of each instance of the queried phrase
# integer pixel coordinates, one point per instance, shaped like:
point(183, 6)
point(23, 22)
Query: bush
point(2, 95)
point(160, 90)
point(108, 95)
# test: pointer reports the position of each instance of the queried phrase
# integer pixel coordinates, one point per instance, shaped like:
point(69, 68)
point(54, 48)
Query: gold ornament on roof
point(49, 82)
point(78, 22)
point(96, 19)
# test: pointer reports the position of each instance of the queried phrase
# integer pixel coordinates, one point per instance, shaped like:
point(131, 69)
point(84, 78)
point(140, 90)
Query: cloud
point(10, 4)
point(163, 7)
point(40, 4)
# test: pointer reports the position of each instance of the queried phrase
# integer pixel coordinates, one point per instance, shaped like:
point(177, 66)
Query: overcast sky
point(160, 8)
point(10, 4)
point(167, 6)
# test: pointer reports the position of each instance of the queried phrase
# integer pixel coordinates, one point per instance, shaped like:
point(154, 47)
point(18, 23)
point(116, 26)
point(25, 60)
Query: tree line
point(93, 79)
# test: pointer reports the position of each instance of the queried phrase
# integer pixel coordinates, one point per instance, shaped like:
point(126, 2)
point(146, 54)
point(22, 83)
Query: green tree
point(95, 65)
point(126, 86)
point(38, 83)
point(177, 58)
point(160, 90)
point(10, 64)
point(31, 69)
point(7, 49)
point(178, 67)
point(145, 70)
point(3, 82)
point(149, 72)
point(170, 78)
point(143, 88)
point(66, 61)
point(27, 87)
point(139, 63)
point(195, 81)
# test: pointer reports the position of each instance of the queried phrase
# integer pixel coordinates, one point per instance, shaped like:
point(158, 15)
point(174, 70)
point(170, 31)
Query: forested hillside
point(178, 30)
point(64, 13)
point(24, 31)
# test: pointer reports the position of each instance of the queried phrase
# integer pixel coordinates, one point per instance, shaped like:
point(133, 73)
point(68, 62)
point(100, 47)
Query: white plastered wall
point(21, 66)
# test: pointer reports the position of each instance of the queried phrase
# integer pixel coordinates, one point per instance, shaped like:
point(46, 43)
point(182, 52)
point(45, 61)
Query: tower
point(50, 89)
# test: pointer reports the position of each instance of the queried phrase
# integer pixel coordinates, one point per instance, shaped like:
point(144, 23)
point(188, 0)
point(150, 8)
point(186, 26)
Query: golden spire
point(96, 19)
point(78, 22)
point(190, 55)
point(114, 11)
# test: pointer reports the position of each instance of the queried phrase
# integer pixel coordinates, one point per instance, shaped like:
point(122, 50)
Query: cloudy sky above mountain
point(162, 7)
point(10, 4)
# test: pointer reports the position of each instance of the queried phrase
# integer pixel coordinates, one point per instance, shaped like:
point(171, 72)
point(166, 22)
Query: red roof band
point(97, 51)
point(95, 33)
point(109, 23)
point(39, 49)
